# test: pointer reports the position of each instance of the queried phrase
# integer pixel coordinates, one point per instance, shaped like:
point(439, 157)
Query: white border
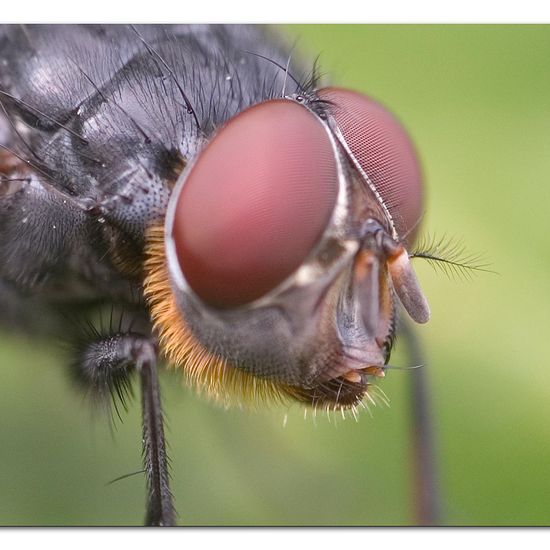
point(277, 539)
point(275, 11)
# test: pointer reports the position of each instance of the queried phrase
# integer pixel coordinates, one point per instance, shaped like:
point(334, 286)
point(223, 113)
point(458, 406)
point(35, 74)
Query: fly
point(233, 216)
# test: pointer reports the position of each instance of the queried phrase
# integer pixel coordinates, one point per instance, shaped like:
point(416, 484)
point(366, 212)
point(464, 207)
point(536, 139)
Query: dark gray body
point(99, 121)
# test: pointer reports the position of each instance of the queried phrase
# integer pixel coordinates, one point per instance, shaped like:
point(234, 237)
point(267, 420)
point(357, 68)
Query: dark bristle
point(337, 393)
point(99, 362)
point(286, 70)
point(42, 114)
point(312, 80)
point(160, 59)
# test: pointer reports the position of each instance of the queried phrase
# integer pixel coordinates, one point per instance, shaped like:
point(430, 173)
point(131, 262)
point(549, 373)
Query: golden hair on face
point(210, 374)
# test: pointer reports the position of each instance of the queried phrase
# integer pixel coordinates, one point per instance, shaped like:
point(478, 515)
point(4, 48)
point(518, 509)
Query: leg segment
point(427, 497)
point(160, 508)
point(104, 367)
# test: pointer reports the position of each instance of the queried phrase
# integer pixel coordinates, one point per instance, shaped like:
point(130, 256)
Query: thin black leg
point(427, 493)
point(103, 366)
point(160, 507)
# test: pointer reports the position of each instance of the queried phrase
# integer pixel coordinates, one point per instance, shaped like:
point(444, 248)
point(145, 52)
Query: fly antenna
point(450, 256)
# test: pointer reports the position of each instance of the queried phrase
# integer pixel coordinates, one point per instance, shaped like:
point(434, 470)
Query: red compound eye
point(255, 203)
point(384, 151)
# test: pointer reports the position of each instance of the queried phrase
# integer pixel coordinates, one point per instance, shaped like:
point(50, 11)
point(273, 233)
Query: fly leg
point(160, 507)
point(427, 492)
point(104, 367)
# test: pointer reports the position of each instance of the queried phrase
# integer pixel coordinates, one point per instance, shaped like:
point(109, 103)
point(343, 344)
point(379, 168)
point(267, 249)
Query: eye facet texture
point(384, 151)
point(255, 203)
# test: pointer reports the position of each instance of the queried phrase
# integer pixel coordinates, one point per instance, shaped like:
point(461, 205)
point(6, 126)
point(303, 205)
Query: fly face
point(284, 252)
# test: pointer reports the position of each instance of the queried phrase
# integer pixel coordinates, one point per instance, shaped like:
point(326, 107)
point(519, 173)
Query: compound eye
point(255, 203)
point(384, 151)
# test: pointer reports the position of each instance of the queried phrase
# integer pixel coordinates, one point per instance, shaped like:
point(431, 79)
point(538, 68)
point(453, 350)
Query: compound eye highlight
point(255, 203)
point(384, 151)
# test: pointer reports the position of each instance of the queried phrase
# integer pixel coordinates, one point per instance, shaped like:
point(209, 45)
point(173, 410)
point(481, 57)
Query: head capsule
point(284, 255)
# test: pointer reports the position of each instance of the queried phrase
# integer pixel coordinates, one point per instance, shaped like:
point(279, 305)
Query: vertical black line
point(160, 507)
point(427, 491)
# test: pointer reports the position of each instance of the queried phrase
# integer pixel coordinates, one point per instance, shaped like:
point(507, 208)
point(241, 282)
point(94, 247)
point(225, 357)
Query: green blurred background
point(476, 100)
